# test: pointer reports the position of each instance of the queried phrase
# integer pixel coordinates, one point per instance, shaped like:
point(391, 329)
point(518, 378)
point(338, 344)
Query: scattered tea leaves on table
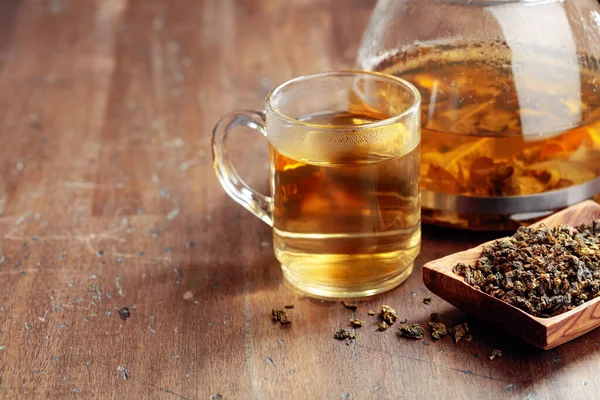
point(352, 307)
point(371, 312)
point(344, 334)
point(427, 301)
point(437, 327)
point(357, 323)
point(495, 353)
point(543, 271)
point(461, 331)
point(280, 316)
point(388, 314)
point(288, 306)
point(412, 331)
point(124, 313)
point(383, 326)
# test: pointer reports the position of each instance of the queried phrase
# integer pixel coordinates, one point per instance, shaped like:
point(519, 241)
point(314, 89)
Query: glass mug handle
point(258, 204)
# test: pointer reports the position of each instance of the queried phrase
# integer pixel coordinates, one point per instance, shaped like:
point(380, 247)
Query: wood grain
point(108, 199)
point(545, 333)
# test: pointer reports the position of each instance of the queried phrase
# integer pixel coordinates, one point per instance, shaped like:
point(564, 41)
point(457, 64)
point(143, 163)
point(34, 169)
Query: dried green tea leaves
point(288, 306)
point(357, 323)
point(124, 313)
point(388, 314)
point(280, 316)
point(543, 271)
point(344, 334)
point(427, 301)
point(436, 327)
point(459, 332)
point(495, 353)
point(412, 331)
point(438, 330)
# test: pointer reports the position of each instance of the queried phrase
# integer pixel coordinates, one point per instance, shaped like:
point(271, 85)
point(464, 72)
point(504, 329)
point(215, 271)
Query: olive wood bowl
point(545, 333)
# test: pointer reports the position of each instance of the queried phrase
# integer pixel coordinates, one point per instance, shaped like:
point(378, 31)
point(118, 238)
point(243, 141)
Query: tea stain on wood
point(108, 200)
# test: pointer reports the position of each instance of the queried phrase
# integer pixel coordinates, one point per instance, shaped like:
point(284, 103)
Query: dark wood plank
point(108, 199)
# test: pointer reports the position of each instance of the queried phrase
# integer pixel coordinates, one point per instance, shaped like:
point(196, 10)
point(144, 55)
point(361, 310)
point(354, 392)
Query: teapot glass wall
point(511, 105)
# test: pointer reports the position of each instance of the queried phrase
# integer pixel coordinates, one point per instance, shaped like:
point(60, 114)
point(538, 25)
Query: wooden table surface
point(108, 199)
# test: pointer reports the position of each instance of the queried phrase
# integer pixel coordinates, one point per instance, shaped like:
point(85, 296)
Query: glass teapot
point(510, 103)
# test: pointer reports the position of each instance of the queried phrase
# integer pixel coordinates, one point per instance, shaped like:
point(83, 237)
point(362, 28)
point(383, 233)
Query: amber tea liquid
point(501, 128)
point(347, 217)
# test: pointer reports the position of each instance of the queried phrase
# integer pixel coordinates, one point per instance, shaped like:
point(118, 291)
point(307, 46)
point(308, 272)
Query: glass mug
point(344, 174)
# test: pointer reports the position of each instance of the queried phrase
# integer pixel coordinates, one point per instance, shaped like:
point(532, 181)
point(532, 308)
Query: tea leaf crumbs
point(412, 331)
point(437, 327)
point(388, 314)
point(357, 323)
point(343, 334)
point(280, 316)
point(461, 331)
point(383, 326)
point(124, 313)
